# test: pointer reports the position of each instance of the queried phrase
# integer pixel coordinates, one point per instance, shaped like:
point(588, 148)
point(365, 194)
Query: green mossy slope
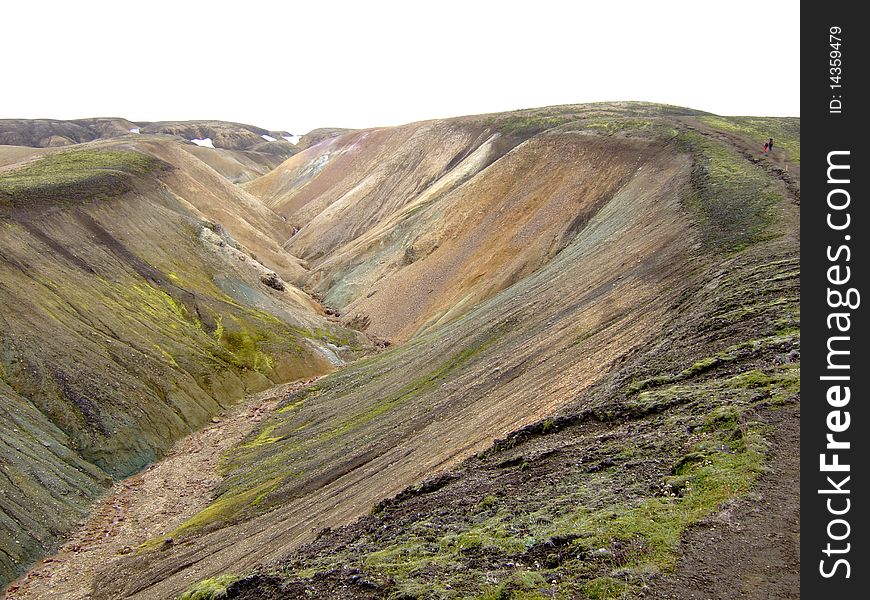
point(114, 339)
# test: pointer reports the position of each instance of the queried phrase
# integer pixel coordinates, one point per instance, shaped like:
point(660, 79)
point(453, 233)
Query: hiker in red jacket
point(766, 147)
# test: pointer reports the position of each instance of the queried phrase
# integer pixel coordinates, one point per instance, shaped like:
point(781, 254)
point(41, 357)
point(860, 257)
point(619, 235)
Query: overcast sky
point(301, 65)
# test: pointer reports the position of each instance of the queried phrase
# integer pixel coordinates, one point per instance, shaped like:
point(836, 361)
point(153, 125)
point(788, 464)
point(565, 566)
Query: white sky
point(301, 65)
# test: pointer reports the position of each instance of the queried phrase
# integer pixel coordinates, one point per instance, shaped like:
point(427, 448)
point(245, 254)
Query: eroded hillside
point(609, 290)
point(131, 315)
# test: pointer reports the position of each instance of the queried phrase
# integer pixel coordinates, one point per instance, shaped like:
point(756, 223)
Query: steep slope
point(254, 225)
point(240, 166)
point(130, 317)
point(485, 200)
point(640, 281)
point(315, 136)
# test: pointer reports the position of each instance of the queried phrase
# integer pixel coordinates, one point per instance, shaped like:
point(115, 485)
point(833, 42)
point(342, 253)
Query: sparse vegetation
point(214, 588)
point(786, 132)
point(526, 124)
point(76, 175)
point(731, 198)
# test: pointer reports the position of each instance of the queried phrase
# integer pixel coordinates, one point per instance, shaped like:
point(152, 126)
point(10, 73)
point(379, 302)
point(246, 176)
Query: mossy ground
point(732, 199)
point(548, 529)
point(75, 175)
point(285, 440)
point(638, 118)
point(213, 588)
point(592, 503)
point(786, 132)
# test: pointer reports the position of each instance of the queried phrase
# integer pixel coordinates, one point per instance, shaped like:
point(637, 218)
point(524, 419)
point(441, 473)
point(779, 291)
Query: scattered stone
point(273, 281)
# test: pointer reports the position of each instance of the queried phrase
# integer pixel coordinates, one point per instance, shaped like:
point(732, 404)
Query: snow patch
point(293, 139)
point(134, 130)
point(268, 138)
point(204, 142)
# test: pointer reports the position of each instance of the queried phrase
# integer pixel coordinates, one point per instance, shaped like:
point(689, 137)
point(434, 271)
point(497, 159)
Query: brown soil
point(752, 548)
point(146, 505)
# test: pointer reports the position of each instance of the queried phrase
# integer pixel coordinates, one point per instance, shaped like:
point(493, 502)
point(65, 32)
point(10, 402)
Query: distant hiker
point(766, 147)
point(770, 144)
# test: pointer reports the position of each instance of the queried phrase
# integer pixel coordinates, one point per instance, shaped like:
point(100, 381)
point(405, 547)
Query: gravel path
point(146, 505)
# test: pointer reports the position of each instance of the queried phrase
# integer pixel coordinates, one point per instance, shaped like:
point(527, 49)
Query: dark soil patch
point(752, 548)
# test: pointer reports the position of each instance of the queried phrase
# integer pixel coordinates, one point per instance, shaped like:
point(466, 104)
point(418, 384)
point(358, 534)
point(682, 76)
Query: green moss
point(786, 132)
point(639, 535)
point(528, 580)
point(702, 365)
point(264, 438)
point(487, 502)
point(158, 304)
point(495, 592)
point(76, 175)
point(341, 338)
point(166, 355)
point(604, 588)
point(731, 198)
point(729, 355)
point(226, 508)
point(243, 345)
point(219, 328)
point(706, 478)
point(210, 589)
point(526, 124)
point(647, 128)
point(291, 407)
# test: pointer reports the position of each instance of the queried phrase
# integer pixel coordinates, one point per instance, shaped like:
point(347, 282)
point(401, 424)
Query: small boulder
point(273, 281)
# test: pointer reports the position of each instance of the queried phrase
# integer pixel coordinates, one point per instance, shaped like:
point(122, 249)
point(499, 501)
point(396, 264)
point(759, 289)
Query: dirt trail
point(751, 549)
point(777, 164)
point(146, 505)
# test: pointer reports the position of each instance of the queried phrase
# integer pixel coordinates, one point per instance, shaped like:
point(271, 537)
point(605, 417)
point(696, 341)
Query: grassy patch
point(731, 198)
point(243, 345)
point(639, 536)
point(265, 437)
point(786, 132)
point(213, 588)
point(223, 510)
point(527, 124)
point(76, 175)
point(604, 588)
point(649, 128)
